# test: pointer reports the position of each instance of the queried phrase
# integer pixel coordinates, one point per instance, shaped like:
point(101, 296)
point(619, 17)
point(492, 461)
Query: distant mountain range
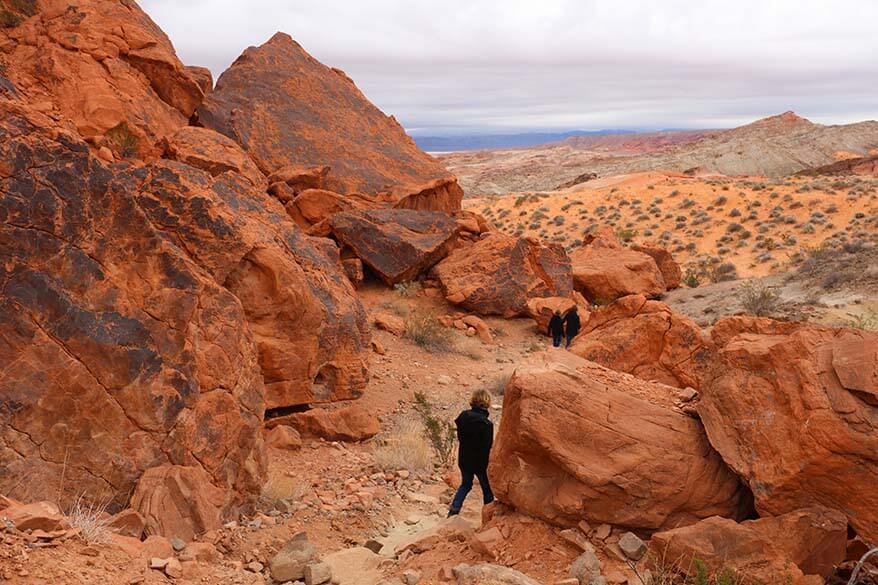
point(500, 141)
point(774, 147)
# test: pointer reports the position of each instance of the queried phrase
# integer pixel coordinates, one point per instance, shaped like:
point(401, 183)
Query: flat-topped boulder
point(578, 441)
point(396, 244)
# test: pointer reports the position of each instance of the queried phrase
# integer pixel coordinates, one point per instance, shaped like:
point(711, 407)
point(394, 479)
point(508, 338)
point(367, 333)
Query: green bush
point(123, 142)
point(758, 299)
point(440, 433)
point(427, 332)
point(9, 19)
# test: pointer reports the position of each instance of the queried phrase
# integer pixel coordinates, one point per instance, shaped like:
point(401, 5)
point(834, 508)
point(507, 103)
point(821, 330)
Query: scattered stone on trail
point(603, 531)
point(317, 574)
point(290, 562)
point(796, 546)
point(777, 410)
point(281, 105)
point(354, 566)
point(499, 274)
point(481, 328)
point(411, 577)
point(283, 437)
point(44, 516)
point(179, 502)
point(177, 544)
point(493, 574)
point(646, 339)
point(396, 244)
point(388, 322)
point(633, 547)
point(487, 542)
point(586, 569)
point(351, 423)
point(556, 458)
point(173, 568)
point(128, 522)
point(575, 537)
point(604, 270)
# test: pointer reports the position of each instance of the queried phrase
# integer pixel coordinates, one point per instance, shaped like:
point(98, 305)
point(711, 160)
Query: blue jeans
point(556, 339)
point(570, 338)
point(466, 485)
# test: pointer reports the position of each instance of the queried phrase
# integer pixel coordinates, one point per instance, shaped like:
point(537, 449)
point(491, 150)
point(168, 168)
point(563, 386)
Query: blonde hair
point(480, 398)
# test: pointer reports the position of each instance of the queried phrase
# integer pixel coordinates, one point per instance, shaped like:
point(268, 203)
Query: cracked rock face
point(646, 339)
point(148, 317)
point(117, 352)
point(578, 441)
point(793, 409)
point(499, 274)
point(100, 63)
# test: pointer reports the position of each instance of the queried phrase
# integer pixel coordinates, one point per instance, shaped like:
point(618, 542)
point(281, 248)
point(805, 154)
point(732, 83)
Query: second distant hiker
point(475, 432)
point(572, 325)
point(556, 328)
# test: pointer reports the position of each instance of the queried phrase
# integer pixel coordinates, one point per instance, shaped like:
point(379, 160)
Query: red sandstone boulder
point(541, 309)
point(105, 66)
point(44, 516)
point(397, 244)
point(646, 339)
point(669, 268)
point(499, 274)
point(119, 352)
point(793, 412)
point(309, 327)
point(604, 270)
point(313, 206)
point(212, 152)
point(286, 108)
point(287, 182)
point(179, 502)
point(580, 442)
point(787, 548)
point(351, 423)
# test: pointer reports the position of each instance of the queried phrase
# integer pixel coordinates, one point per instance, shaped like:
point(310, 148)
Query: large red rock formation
point(647, 339)
point(397, 244)
point(104, 65)
point(499, 274)
point(787, 548)
point(286, 108)
point(309, 326)
point(118, 352)
point(578, 441)
point(604, 270)
point(794, 411)
point(671, 271)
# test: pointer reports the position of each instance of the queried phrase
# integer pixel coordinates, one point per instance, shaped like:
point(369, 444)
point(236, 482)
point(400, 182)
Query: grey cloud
point(499, 65)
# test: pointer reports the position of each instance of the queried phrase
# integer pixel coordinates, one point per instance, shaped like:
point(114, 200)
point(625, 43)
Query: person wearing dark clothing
point(572, 325)
point(475, 433)
point(556, 328)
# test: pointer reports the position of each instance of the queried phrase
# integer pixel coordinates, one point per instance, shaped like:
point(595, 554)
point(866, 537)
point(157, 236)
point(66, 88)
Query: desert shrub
point(407, 290)
point(123, 142)
point(440, 433)
point(735, 213)
point(519, 201)
point(405, 448)
point(690, 278)
point(757, 298)
point(498, 384)
point(626, 235)
point(9, 19)
point(26, 7)
point(281, 487)
point(427, 332)
point(91, 520)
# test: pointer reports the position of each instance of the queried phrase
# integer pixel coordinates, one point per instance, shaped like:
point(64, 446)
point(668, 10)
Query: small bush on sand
point(427, 332)
point(406, 448)
point(498, 385)
point(91, 520)
point(757, 298)
point(626, 235)
point(123, 142)
point(9, 19)
point(690, 278)
point(440, 433)
point(407, 290)
point(867, 321)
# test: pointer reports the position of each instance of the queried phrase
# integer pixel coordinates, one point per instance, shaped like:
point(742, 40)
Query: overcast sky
point(466, 66)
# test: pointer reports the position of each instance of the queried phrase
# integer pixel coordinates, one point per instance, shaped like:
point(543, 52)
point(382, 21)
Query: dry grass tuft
point(282, 487)
point(92, 521)
point(405, 448)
